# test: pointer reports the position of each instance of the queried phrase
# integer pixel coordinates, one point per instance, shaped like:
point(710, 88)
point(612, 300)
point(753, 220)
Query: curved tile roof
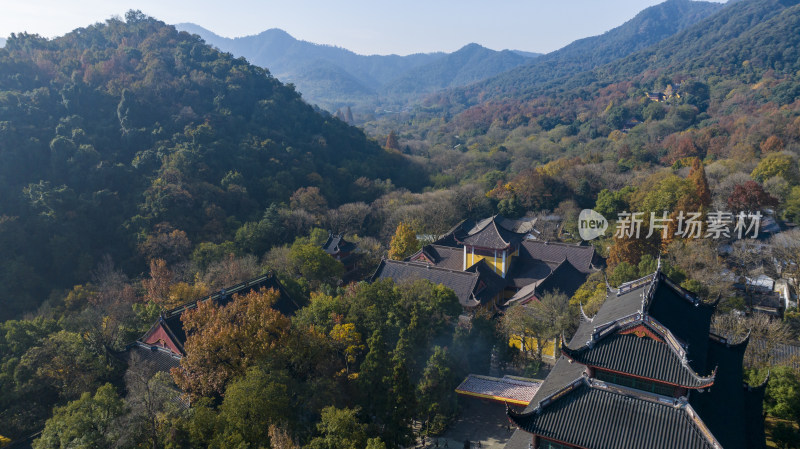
point(463, 283)
point(579, 256)
point(594, 415)
point(640, 357)
point(488, 234)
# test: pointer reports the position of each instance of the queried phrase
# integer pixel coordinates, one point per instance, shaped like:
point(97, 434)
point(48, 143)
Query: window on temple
point(632, 382)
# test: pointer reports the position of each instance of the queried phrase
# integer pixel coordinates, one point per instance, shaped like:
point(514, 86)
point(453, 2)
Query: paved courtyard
point(482, 423)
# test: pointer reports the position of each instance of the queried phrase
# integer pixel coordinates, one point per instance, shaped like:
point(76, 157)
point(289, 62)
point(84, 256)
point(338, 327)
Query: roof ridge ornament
point(647, 295)
point(762, 385)
point(743, 342)
point(583, 314)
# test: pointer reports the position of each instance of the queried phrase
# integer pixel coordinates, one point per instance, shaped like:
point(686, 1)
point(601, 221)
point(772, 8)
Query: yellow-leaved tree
point(404, 242)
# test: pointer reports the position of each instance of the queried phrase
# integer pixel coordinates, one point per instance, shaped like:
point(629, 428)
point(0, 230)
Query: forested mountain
point(745, 38)
point(469, 64)
point(137, 141)
point(646, 28)
point(723, 90)
point(334, 77)
point(141, 169)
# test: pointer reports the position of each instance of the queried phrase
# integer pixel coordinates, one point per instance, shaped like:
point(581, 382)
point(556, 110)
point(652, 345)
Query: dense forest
point(134, 141)
point(142, 169)
point(600, 129)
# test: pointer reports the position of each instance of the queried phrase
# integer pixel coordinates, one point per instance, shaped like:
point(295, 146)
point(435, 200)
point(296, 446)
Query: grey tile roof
point(592, 416)
point(336, 244)
point(578, 255)
point(488, 234)
point(519, 440)
point(563, 373)
point(600, 415)
point(614, 308)
point(442, 256)
point(490, 284)
point(520, 225)
point(526, 270)
point(463, 283)
point(645, 357)
point(782, 353)
point(154, 358)
point(564, 278)
point(641, 357)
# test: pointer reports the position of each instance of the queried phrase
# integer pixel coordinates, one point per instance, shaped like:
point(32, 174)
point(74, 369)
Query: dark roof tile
point(593, 417)
point(723, 406)
point(578, 255)
point(442, 256)
point(565, 278)
point(488, 234)
point(154, 358)
point(640, 357)
point(336, 244)
point(526, 271)
point(688, 318)
point(463, 283)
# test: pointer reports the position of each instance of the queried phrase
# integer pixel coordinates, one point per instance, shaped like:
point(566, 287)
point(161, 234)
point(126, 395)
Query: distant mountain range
point(334, 77)
point(710, 39)
point(2, 42)
point(649, 27)
point(742, 56)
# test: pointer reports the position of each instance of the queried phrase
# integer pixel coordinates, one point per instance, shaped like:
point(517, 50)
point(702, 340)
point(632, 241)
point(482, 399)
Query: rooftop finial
point(608, 286)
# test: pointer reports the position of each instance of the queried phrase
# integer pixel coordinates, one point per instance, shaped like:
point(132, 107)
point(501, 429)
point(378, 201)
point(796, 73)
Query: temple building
point(645, 372)
point(343, 251)
point(495, 262)
point(162, 345)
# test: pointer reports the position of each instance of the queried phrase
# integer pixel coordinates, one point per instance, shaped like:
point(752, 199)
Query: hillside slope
point(723, 89)
point(120, 134)
point(645, 29)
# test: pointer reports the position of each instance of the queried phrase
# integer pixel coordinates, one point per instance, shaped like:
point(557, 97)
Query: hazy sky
point(364, 26)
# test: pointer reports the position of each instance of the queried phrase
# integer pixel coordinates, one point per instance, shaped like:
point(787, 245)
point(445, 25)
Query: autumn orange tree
point(391, 141)
point(223, 341)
